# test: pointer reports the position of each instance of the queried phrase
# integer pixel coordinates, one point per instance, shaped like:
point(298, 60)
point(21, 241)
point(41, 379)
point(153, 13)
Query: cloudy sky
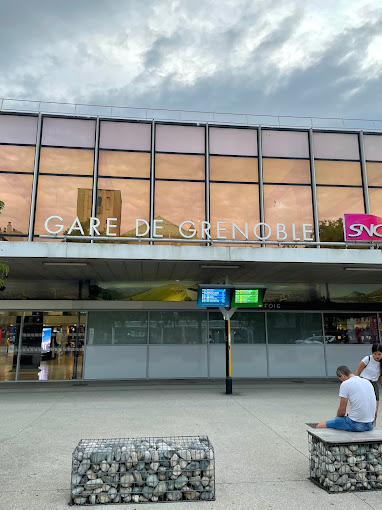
point(291, 57)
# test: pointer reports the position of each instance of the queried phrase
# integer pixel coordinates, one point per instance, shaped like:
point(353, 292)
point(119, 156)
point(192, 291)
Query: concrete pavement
point(259, 435)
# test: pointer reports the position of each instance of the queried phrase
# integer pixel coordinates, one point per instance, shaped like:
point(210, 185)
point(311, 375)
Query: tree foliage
point(4, 270)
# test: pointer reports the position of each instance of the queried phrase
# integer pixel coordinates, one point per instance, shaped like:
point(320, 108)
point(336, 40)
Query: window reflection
point(347, 328)
point(124, 164)
point(233, 169)
point(176, 202)
point(237, 203)
point(289, 205)
point(15, 158)
point(334, 202)
point(178, 328)
point(123, 199)
point(374, 174)
point(179, 166)
point(66, 161)
point(294, 328)
point(66, 197)
point(338, 172)
point(375, 199)
point(117, 328)
point(286, 170)
point(246, 328)
point(15, 194)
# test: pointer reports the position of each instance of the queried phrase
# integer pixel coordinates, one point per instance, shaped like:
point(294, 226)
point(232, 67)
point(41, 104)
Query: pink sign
point(362, 227)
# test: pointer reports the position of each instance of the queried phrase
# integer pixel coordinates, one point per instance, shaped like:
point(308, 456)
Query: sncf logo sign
point(362, 227)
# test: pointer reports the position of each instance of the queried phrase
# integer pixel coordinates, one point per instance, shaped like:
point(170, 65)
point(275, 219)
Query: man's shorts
point(345, 423)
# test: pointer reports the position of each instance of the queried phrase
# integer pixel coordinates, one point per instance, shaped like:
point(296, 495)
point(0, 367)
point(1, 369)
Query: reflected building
point(109, 205)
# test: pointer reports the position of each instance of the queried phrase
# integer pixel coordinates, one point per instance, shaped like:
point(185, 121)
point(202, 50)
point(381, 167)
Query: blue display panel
point(213, 296)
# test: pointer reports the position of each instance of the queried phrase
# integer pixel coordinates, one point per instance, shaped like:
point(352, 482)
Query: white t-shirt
point(372, 371)
point(361, 397)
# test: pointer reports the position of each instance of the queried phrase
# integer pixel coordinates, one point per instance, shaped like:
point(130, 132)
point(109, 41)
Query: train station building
point(108, 226)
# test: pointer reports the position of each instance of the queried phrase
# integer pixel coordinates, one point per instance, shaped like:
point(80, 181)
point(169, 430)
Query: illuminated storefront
point(108, 226)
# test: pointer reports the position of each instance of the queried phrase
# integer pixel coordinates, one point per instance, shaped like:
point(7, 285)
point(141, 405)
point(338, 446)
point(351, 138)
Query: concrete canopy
point(116, 262)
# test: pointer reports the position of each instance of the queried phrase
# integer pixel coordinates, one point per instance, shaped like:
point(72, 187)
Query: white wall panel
point(247, 360)
point(296, 360)
point(177, 361)
point(115, 362)
point(349, 355)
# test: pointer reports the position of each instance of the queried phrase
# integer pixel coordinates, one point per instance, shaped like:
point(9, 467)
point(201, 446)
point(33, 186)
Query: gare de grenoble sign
point(54, 225)
point(357, 227)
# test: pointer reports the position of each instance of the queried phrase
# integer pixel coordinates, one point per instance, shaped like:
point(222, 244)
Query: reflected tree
point(332, 231)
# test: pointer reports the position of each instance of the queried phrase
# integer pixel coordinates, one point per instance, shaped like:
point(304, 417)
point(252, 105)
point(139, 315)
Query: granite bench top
point(343, 436)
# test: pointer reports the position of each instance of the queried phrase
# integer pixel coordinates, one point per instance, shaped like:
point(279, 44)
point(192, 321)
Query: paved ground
point(259, 435)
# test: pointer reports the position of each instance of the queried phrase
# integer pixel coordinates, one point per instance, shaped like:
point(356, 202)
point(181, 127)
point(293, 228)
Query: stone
point(80, 501)
point(181, 481)
point(147, 492)
point(152, 480)
point(184, 454)
point(160, 489)
point(127, 480)
point(174, 496)
point(84, 466)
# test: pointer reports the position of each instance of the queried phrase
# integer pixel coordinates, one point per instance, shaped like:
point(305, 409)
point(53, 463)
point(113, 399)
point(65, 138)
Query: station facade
point(109, 225)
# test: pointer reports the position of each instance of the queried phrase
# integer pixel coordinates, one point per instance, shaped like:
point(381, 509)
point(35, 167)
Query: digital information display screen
point(247, 298)
point(214, 297)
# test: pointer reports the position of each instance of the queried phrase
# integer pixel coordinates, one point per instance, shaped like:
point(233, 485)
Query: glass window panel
point(238, 203)
point(66, 161)
point(287, 144)
point(354, 293)
point(176, 202)
point(15, 158)
point(42, 289)
point(68, 132)
point(286, 171)
point(294, 328)
point(246, 328)
point(117, 328)
point(66, 197)
point(373, 147)
point(235, 142)
point(15, 193)
point(293, 293)
point(124, 199)
point(178, 327)
point(335, 145)
point(288, 205)
point(123, 164)
point(374, 174)
point(338, 172)
point(18, 129)
point(9, 341)
point(173, 138)
point(375, 199)
point(52, 346)
point(179, 166)
point(125, 136)
point(233, 169)
point(334, 202)
point(346, 328)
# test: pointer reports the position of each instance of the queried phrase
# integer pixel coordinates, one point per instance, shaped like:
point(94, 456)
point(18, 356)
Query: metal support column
point(95, 172)
point(261, 181)
point(19, 346)
point(152, 179)
point(207, 169)
point(228, 361)
point(314, 188)
point(35, 178)
point(364, 172)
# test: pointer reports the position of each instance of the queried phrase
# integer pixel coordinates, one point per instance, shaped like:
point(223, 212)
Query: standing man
point(360, 395)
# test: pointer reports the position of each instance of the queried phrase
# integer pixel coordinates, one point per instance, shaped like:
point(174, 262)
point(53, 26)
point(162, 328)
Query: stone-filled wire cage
point(143, 470)
point(338, 467)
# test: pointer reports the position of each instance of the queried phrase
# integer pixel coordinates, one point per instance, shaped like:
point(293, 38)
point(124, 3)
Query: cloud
point(296, 57)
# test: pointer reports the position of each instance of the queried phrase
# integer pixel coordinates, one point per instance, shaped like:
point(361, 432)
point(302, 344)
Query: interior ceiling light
point(219, 266)
point(363, 268)
point(65, 264)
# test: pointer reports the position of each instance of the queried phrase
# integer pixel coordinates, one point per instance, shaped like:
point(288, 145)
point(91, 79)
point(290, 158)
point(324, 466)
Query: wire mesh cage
point(343, 467)
point(143, 470)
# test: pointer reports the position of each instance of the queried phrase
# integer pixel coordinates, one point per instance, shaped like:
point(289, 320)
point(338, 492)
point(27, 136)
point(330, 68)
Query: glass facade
point(182, 181)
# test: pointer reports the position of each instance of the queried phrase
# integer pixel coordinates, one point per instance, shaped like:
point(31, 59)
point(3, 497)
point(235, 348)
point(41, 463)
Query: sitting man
point(360, 394)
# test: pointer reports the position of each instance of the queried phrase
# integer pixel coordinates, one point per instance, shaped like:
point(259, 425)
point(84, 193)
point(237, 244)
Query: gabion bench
point(142, 470)
point(343, 461)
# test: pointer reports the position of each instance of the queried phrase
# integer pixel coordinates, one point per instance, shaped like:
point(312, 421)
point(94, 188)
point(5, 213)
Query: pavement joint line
point(364, 501)
point(37, 418)
point(270, 428)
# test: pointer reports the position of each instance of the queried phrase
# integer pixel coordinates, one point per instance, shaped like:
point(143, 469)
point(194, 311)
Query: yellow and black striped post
point(228, 363)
